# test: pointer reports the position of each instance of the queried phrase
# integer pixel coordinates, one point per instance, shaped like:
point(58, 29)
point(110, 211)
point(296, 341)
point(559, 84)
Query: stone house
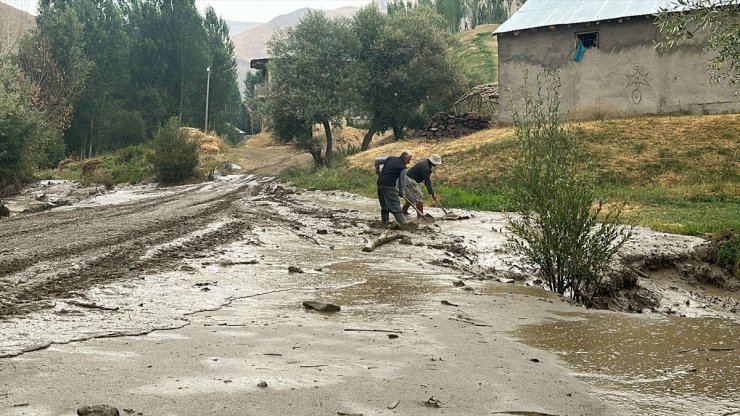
point(261, 90)
point(604, 52)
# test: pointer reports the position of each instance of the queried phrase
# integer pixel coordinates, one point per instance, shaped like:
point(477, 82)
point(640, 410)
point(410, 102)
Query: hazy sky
point(240, 10)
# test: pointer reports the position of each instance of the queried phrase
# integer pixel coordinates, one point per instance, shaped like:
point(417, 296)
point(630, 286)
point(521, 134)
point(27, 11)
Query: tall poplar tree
point(224, 98)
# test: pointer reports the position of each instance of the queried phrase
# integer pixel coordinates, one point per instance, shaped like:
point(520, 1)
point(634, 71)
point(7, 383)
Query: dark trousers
point(389, 204)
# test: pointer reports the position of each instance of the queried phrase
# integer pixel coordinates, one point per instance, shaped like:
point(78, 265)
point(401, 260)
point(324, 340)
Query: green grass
point(689, 219)
point(336, 178)
point(477, 55)
point(689, 210)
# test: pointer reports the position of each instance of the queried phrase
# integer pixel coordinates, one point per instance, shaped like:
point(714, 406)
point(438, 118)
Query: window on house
point(589, 39)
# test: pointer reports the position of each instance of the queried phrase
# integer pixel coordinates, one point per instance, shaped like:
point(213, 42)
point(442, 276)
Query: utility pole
point(208, 87)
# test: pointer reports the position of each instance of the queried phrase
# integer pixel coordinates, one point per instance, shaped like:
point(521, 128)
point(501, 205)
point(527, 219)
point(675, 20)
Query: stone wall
point(454, 125)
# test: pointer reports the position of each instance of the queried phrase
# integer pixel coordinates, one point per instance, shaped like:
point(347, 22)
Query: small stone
point(321, 306)
point(322, 231)
point(262, 384)
point(98, 410)
point(293, 269)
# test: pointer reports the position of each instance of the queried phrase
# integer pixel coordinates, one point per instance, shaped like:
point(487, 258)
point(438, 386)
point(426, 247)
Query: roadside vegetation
point(562, 228)
point(176, 154)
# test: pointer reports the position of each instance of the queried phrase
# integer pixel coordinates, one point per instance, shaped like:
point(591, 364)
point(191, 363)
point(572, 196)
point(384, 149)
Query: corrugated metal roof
point(541, 13)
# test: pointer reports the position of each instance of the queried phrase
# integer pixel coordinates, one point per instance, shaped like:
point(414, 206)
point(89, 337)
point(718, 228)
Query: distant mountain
point(237, 27)
point(252, 43)
point(14, 24)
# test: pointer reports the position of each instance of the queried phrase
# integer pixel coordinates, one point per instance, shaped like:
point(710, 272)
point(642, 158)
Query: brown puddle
point(382, 290)
point(516, 289)
point(670, 365)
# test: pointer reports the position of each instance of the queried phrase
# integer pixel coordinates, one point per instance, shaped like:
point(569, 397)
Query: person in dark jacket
point(420, 172)
point(388, 178)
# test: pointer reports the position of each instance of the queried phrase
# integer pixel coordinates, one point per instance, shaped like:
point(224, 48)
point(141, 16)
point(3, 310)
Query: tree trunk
point(383, 239)
point(369, 135)
point(329, 142)
point(316, 154)
point(398, 131)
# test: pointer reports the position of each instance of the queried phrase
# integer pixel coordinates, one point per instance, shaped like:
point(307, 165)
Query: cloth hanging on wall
point(580, 49)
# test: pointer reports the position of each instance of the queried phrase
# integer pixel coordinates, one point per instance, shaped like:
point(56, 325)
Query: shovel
point(447, 214)
point(426, 217)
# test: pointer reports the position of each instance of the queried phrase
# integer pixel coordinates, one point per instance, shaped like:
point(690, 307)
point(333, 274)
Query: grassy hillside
point(675, 174)
point(478, 54)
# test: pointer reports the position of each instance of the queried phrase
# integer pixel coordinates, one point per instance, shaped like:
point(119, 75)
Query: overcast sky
point(240, 10)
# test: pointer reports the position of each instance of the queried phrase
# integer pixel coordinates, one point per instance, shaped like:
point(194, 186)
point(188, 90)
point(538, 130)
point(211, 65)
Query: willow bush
point(561, 228)
point(174, 155)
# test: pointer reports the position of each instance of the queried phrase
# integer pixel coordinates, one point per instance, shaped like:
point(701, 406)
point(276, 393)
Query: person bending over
point(388, 178)
point(420, 172)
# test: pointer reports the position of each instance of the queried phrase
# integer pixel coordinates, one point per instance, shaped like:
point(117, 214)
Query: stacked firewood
point(454, 125)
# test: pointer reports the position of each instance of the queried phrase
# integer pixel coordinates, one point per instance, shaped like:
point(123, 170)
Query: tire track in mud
point(52, 220)
point(100, 255)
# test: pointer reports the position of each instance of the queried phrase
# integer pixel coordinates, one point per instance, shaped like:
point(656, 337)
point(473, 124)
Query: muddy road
point(184, 300)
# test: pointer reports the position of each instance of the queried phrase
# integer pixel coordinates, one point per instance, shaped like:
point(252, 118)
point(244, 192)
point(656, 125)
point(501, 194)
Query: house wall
point(625, 76)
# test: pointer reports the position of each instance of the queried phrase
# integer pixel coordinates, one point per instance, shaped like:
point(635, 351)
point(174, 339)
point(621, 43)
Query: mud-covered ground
point(216, 273)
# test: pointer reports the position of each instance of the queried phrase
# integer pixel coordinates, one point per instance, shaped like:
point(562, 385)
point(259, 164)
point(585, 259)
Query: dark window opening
point(589, 39)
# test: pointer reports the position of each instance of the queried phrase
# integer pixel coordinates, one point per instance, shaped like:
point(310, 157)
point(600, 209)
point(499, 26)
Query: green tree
point(405, 64)
point(487, 11)
point(558, 230)
point(174, 155)
point(106, 47)
point(313, 73)
point(718, 21)
point(54, 60)
point(170, 57)
point(224, 99)
point(254, 108)
point(452, 12)
point(21, 126)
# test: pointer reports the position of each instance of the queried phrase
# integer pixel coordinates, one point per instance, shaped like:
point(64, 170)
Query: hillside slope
point(14, 23)
point(251, 44)
point(477, 54)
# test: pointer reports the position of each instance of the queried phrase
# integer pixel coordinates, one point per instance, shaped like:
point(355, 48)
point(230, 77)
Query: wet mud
point(240, 254)
point(656, 365)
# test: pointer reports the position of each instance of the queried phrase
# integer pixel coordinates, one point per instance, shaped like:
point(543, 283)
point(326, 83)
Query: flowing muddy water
point(652, 365)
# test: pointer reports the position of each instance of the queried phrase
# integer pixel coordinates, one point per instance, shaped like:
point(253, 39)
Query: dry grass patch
point(213, 151)
point(262, 140)
point(668, 150)
point(665, 151)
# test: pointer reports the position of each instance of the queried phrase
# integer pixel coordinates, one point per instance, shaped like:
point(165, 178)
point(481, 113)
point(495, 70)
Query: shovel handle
point(440, 205)
point(422, 215)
